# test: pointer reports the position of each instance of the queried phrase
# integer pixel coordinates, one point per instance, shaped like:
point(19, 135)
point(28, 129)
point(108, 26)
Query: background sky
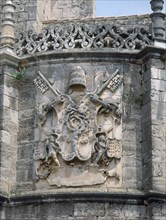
point(122, 7)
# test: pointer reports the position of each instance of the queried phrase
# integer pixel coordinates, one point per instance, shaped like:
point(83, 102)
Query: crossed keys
point(112, 83)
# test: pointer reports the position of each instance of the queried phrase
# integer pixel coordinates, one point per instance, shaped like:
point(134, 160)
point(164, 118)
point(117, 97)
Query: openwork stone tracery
point(78, 133)
point(83, 36)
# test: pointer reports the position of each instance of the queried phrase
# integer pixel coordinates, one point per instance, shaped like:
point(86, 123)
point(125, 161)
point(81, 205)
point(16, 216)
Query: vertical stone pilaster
point(158, 124)
point(146, 128)
point(8, 122)
point(153, 124)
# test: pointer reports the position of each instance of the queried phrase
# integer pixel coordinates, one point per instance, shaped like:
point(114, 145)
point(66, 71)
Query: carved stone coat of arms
point(78, 131)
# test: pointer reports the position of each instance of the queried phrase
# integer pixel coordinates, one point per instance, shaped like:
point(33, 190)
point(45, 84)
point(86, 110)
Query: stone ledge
point(107, 18)
point(77, 56)
point(8, 57)
point(96, 55)
point(152, 52)
point(120, 198)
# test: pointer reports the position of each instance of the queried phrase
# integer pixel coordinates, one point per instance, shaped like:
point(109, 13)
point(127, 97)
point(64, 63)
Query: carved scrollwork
point(138, 38)
point(44, 170)
point(76, 120)
point(83, 36)
point(79, 37)
point(56, 33)
point(83, 135)
point(44, 154)
point(44, 44)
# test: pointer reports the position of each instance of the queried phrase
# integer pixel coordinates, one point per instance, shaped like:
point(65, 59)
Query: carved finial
point(157, 5)
point(158, 19)
point(7, 36)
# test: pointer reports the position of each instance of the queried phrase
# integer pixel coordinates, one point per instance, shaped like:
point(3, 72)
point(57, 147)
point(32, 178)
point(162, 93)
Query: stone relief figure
point(42, 111)
point(106, 150)
point(44, 155)
point(52, 149)
point(101, 147)
point(40, 164)
point(86, 130)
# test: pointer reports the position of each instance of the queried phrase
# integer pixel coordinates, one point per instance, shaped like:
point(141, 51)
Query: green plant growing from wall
point(21, 70)
point(18, 75)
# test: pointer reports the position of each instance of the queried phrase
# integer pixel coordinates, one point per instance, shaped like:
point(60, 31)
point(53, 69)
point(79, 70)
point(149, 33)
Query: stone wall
point(131, 162)
point(72, 9)
point(25, 15)
point(8, 124)
point(77, 211)
point(157, 211)
point(82, 128)
point(154, 125)
point(30, 14)
point(132, 136)
point(131, 102)
point(140, 172)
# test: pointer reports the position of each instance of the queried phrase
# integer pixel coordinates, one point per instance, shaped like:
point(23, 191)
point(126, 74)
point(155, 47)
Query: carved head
point(101, 136)
point(77, 78)
point(53, 137)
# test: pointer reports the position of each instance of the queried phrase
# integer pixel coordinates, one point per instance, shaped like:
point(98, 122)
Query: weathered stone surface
point(157, 211)
point(126, 211)
point(56, 211)
point(31, 14)
point(94, 151)
point(85, 130)
point(25, 151)
point(73, 9)
point(9, 91)
point(82, 36)
point(27, 98)
point(89, 209)
point(158, 108)
point(26, 130)
point(154, 125)
point(10, 102)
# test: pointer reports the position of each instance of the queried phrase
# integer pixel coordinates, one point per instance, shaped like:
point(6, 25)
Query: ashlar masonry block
point(32, 14)
point(72, 9)
point(8, 125)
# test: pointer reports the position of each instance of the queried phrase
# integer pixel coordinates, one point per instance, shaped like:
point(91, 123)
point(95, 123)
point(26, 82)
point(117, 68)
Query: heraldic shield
point(78, 132)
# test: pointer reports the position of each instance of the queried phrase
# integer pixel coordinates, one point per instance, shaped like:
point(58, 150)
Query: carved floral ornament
point(83, 36)
point(79, 130)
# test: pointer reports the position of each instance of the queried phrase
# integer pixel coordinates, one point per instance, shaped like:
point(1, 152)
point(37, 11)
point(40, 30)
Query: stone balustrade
point(83, 35)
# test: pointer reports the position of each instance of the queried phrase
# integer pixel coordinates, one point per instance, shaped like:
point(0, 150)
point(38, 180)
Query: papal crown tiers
point(77, 77)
